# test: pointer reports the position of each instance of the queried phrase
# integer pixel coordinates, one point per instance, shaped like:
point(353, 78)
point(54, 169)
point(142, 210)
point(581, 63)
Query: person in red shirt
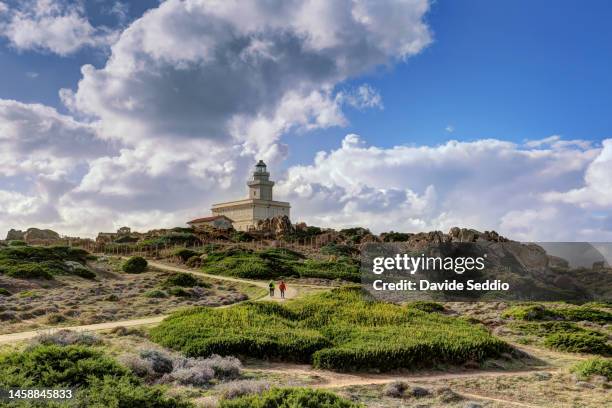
point(282, 288)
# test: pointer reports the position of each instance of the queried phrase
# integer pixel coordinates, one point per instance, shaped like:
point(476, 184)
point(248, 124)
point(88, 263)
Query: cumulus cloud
point(194, 91)
point(55, 26)
point(232, 72)
point(597, 188)
point(486, 184)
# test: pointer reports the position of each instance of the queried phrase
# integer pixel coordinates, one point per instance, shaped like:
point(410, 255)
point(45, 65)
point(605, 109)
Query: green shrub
point(344, 268)
point(77, 269)
point(338, 250)
point(185, 253)
point(194, 262)
point(335, 330)
point(241, 236)
point(126, 239)
point(395, 236)
point(173, 238)
point(17, 242)
point(28, 271)
point(186, 280)
point(426, 306)
point(290, 398)
point(178, 291)
point(278, 262)
point(135, 264)
point(529, 312)
point(156, 293)
point(56, 366)
point(27, 262)
point(574, 313)
point(100, 382)
point(4, 292)
point(585, 313)
point(579, 343)
point(110, 392)
point(593, 366)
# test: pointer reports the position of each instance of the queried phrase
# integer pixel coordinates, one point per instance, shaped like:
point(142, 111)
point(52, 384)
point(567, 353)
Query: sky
point(404, 115)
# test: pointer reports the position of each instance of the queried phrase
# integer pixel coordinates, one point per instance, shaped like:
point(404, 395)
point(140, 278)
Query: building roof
point(208, 219)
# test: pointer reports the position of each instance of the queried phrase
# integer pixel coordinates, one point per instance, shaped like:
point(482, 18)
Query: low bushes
point(276, 263)
point(111, 392)
point(289, 397)
point(135, 264)
point(68, 337)
point(338, 250)
point(53, 365)
point(29, 271)
point(336, 330)
point(184, 254)
point(156, 293)
point(185, 280)
point(579, 343)
point(566, 336)
point(154, 365)
point(426, 306)
point(574, 313)
point(99, 381)
point(34, 262)
point(4, 292)
point(235, 389)
point(593, 366)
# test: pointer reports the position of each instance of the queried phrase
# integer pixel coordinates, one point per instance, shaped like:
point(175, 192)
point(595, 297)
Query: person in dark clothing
point(282, 287)
point(271, 286)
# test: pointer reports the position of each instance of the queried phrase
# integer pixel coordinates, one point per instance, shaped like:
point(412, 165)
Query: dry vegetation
point(112, 295)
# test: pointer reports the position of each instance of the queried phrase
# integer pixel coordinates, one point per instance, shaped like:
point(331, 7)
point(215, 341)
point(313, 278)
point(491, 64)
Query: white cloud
point(56, 26)
point(486, 184)
point(194, 90)
point(596, 191)
point(231, 72)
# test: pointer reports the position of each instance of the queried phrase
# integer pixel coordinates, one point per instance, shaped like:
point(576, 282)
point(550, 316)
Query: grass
point(35, 262)
point(566, 336)
point(569, 313)
point(275, 263)
point(99, 380)
point(593, 366)
point(337, 330)
point(290, 397)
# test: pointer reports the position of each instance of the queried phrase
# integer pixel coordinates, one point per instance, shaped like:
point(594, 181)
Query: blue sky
point(163, 113)
point(512, 70)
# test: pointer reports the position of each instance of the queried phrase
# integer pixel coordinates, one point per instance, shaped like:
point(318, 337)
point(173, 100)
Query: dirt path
point(14, 337)
point(290, 293)
point(331, 380)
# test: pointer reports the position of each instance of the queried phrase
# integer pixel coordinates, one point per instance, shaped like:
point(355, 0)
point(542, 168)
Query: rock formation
point(277, 226)
point(15, 235)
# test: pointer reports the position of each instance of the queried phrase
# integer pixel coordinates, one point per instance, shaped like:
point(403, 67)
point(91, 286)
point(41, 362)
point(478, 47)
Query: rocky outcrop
point(35, 234)
point(32, 235)
point(15, 235)
point(277, 226)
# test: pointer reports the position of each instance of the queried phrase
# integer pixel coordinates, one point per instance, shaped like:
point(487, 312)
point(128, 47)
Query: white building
point(259, 206)
point(216, 221)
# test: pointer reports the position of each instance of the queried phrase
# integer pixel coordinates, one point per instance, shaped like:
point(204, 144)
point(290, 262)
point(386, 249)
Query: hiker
point(282, 288)
point(271, 286)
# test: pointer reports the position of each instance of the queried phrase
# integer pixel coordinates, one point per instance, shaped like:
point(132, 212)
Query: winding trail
point(334, 380)
point(290, 293)
point(325, 379)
